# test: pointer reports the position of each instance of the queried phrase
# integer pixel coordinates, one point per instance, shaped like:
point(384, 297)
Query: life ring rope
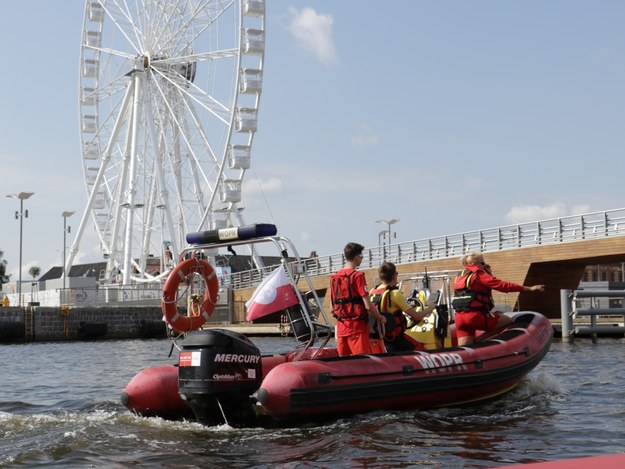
point(169, 302)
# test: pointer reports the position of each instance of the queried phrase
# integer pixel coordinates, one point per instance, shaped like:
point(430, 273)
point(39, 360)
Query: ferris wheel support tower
point(169, 99)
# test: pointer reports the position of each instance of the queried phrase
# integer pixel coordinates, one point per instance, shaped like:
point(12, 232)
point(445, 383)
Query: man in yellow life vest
point(392, 303)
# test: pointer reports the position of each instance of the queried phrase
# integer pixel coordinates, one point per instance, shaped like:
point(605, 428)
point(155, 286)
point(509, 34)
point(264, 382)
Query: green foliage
point(34, 271)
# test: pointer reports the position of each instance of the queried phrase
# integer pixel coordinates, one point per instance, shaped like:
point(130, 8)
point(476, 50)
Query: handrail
point(589, 303)
point(567, 229)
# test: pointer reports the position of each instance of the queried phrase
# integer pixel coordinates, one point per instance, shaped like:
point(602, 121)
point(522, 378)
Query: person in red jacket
point(473, 300)
point(351, 305)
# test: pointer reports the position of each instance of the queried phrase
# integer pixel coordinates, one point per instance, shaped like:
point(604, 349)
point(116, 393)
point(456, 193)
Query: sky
point(448, 115)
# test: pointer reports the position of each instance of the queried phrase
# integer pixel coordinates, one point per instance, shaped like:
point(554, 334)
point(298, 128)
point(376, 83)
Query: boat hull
point(333, 386)
point(459, 375)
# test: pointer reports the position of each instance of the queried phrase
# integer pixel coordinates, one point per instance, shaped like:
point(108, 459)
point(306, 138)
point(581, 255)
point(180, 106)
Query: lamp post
point(381, 235)
point(65, 215)
point(162, 208)
point(22, 196)
point(388, 223)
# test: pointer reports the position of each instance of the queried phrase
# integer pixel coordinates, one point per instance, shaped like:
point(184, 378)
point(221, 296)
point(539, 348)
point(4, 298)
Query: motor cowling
point(218, 372)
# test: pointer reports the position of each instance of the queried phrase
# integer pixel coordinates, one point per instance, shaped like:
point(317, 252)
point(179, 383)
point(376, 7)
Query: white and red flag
point(274, 293)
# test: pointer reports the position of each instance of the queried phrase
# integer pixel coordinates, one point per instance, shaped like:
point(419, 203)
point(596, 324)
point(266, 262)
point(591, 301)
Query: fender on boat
point(153, 392)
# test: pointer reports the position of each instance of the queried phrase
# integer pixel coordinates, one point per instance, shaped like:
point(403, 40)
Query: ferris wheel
point(169, 96)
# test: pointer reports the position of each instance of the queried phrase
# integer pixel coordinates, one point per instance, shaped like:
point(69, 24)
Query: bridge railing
point(544, 232)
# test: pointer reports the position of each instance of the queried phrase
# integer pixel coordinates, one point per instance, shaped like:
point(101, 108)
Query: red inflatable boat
point(222, 377)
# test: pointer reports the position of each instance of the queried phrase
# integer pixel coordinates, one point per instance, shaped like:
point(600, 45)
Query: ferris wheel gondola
point(169, 99)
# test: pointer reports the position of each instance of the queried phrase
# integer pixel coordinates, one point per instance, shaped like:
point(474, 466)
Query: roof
point(80, 270)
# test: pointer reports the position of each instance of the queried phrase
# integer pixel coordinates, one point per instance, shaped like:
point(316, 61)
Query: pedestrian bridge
point(552, 252)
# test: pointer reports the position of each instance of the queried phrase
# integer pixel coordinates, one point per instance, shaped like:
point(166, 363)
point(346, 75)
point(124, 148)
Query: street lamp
point(66, 230)
point(382, 234)
point(390, 222)
point(162, 208)
point(22, 196)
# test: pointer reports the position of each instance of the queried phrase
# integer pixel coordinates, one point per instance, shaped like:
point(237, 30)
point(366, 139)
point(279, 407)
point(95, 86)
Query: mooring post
point(566, 308)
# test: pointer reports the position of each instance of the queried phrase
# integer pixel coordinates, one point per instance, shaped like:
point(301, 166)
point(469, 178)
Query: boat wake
point(533, 396)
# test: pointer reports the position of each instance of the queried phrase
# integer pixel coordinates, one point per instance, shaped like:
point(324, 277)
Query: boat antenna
point(426, 280)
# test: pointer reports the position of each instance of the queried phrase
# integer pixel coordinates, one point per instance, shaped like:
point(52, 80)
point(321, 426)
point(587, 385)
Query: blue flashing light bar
point(258, 230)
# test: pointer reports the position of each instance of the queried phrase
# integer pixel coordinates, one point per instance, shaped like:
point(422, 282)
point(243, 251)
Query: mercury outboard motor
point(218, 372)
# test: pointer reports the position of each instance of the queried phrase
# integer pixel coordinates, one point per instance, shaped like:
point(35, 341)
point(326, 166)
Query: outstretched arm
point(418, 315)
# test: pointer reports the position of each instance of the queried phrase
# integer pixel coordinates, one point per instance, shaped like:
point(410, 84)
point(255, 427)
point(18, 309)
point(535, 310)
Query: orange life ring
point(170, 291)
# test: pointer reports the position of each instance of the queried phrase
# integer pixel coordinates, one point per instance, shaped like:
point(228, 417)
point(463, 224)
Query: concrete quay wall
point(41, 324)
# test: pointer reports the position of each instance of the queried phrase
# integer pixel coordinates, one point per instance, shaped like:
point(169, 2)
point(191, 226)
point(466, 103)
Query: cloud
point(333, 179)
point(313, 32)
point(259, 186)
point(525, 213)
point(366, 138)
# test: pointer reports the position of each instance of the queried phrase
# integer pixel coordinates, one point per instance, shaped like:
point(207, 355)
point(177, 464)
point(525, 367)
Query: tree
point(34, 272)
point(3, 269)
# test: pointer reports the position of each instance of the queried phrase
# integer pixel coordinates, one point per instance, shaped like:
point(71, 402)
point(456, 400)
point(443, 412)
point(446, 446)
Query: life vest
point(346, 304)
point(396, 323)
point(467, 298)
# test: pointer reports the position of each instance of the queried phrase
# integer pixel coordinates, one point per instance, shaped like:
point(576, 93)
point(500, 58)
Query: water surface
point(60, 407)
